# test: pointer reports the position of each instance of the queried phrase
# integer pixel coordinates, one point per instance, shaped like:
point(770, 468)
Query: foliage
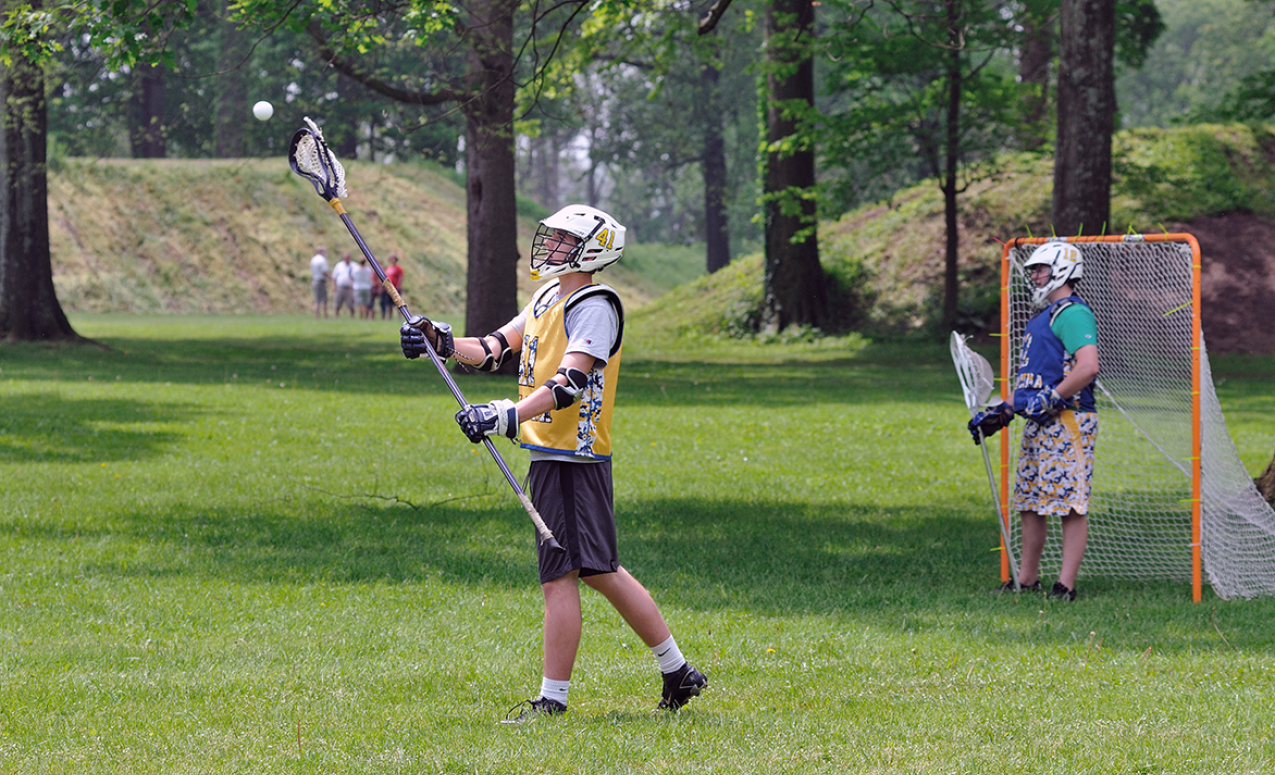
point(888, 85)
point(90, 100)
point(249, 545)
point(888, 256)
point(125, 31)
point(1192, 72)
point(635, 90)
point(1168, 175)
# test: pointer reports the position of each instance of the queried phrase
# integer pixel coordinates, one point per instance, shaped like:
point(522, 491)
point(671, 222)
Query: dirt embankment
point(1237, 281)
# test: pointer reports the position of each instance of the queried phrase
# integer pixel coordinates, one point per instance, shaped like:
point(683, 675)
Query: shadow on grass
point(357, 365)
point(48, 428)
point(908, 570)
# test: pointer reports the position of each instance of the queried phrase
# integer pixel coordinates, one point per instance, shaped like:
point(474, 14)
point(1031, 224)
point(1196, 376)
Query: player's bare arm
point(1082, 373)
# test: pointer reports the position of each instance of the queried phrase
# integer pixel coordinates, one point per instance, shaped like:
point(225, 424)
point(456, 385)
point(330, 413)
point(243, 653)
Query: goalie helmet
point(599, 242)
point(1065, 264)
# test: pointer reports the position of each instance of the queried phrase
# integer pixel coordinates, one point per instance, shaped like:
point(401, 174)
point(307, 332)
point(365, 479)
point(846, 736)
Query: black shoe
point(681, 685)
point(541, 706)
point(1008, 586)
point(1061, 591)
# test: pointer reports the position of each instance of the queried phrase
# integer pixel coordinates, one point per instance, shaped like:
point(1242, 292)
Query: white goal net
point(1158, 451)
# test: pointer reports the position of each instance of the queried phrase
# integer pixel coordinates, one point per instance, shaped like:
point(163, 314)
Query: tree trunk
point(1086, 117)
point(29, 309)
point(1266, 483)
point(544, 169)
point(795, 284)
point(716, 224)
point(146, 137)
point(346, 136)
point(490, 162)
point(231, 106)
point(1035, 58)
point(952, 153)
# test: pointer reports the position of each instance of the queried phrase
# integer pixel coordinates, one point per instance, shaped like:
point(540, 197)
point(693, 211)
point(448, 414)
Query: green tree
point(467, 59)
point(29, 309)
point(1086, 117)
point(677, 129)
point(930, 84)
point(796, 286)
point(1206, 65)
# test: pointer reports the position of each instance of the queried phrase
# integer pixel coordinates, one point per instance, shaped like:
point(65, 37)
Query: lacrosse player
point(1054, 392)
point(568, 338)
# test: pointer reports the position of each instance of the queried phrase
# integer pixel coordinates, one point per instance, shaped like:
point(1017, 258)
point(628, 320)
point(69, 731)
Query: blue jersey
point(1045, 362)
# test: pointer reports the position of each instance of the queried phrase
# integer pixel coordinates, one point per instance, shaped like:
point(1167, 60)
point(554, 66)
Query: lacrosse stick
point(977, 383)
point(311, 159)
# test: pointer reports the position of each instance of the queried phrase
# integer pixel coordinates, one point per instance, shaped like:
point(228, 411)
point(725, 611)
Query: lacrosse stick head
point(978, 381)
point(311, 159)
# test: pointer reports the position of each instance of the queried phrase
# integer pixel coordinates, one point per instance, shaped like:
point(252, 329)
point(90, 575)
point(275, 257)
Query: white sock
point(555, 690)
point(669, 655)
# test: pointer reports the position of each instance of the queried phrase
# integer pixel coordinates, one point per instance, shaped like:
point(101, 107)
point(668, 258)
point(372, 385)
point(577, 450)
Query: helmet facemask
point(1065, 263)
point(553, 254)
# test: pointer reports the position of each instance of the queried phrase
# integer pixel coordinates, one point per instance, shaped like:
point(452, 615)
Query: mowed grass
point(260, 545)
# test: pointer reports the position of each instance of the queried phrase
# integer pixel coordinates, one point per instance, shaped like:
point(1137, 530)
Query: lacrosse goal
point(1171, 499)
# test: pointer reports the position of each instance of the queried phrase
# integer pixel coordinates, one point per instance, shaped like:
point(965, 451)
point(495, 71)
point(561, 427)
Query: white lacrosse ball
point(263, 110)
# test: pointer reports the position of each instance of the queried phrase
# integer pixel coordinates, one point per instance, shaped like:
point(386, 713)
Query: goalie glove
point(986, 423)
point(497, 418)
point(412, 338)
point(1043, 407)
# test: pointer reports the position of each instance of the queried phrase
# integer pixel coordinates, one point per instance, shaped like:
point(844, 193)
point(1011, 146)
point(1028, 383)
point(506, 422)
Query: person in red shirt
point(393, 273)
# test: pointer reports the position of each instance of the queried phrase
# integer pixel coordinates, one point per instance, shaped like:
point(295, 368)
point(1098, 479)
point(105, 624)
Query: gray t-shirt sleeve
point(592, 326)
point(520, 320)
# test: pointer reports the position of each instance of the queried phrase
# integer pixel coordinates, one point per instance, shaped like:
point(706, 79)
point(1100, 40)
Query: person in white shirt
point(319, 280)
point(363, 288)
point(343, 279)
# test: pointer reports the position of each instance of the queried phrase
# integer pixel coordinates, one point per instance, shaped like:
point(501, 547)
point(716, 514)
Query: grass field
point(260, 545)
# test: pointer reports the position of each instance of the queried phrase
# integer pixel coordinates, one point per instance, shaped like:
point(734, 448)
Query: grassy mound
point(236, 236)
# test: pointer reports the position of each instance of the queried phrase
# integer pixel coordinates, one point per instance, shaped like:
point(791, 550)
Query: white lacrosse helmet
point(599, 242)
point(1065, 263)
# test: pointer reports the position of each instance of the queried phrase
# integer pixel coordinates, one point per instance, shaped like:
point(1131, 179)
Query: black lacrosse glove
point(986, 423)
point(498, 418)
point(412, 335)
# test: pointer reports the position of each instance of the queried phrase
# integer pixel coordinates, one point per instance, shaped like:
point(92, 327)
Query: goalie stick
point(977, 384)
point(311, 159)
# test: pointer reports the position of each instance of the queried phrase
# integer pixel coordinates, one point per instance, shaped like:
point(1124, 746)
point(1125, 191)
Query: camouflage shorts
point(1055, 465)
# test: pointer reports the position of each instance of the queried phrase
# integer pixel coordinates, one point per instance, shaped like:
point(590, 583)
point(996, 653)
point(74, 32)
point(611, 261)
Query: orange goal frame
point(1007, 392)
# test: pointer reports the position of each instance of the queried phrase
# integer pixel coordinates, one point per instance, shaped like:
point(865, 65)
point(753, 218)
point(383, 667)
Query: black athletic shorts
point(575, 501)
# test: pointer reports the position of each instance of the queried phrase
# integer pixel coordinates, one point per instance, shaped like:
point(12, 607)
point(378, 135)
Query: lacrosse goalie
point(1054, 392)
point(568, 340)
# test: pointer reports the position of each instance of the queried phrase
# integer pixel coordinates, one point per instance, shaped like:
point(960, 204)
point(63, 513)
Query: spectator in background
point(343, 280)
point(376, 299)
point(393, 273)
point(363, 289)
point(319, 280)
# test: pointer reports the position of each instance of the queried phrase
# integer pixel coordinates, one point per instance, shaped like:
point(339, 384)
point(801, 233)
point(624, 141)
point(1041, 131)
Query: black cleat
point(681, 685)
point(1008, 586)
point(541, 706)
point(1061, 591)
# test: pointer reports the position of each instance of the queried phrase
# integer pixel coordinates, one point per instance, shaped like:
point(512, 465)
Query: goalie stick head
point(311, 158)
point(978, 381)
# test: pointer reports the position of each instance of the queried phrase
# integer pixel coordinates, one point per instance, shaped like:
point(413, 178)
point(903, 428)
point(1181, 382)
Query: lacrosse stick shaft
point(1000, 514)
point(546, 535)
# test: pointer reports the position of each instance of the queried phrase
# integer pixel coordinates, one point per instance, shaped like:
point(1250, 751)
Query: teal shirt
point(1076, 327)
